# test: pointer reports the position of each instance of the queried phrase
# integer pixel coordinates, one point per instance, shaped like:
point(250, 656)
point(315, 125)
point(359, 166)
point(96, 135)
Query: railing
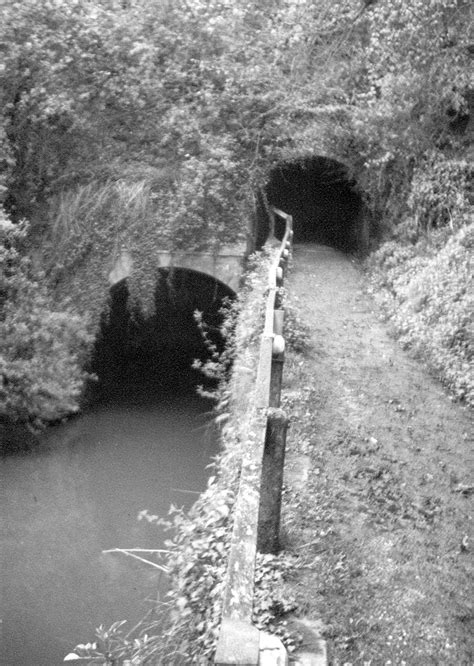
point(257, 508)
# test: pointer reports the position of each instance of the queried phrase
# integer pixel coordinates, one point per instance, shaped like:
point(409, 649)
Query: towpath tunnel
point(161, 346)
point(324, 200)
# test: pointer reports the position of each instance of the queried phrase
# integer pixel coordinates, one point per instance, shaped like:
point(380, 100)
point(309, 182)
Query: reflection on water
point(78, 493)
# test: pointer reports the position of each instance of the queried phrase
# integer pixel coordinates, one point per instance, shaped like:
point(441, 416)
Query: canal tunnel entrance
point(159, 348)
point(91, 486)
point(324, 200)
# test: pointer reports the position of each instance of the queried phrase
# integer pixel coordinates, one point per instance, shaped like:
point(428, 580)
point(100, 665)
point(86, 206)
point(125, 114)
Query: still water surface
point(78, 493)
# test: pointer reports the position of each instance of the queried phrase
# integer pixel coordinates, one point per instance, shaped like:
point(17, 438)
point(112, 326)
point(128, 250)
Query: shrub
point(427, 293)
point(438, 194)
point(42, 347)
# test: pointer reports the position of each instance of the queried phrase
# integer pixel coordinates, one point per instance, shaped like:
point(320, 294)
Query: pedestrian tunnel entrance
point(324, 200)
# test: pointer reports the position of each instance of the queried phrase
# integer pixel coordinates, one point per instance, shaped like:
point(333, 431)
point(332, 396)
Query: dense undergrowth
point(423, 276)
point(43, 347)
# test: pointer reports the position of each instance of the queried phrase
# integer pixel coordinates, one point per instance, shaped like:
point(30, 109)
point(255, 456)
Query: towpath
point(380, 469)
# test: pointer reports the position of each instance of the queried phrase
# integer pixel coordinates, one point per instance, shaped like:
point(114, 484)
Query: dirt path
point(379, 468)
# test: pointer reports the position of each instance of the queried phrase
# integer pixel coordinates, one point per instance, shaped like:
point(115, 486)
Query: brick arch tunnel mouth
point(158, 350)
point(324, 199)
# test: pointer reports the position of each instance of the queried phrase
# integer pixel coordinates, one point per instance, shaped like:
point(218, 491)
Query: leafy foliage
point(242, 323)
point(416, 62)
point(425, 271)
point(196, 102)
point(42, 348)
point(439, 193)
point(198, 566)
point(221, 90)
point(90, 227)
point(72, 72)
point(427, 293)
point(271, 606)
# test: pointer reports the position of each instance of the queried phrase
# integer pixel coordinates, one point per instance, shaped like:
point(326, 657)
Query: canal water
point(79, 491)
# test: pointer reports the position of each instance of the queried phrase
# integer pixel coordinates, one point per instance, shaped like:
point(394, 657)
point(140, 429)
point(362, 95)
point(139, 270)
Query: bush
point(42, 347)
point(438, 195)
point(427, 293)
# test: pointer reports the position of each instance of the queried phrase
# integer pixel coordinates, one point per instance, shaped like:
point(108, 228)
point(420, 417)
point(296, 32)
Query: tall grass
point(111, 211)
point(89, 226)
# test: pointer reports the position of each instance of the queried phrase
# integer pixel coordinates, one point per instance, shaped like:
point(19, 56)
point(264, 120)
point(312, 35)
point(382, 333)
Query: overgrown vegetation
point(42, 348)
point(147, 125)
point(423, 276)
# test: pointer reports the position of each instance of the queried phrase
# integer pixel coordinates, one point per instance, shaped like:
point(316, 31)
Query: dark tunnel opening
point(157, 351)
point(324, 200)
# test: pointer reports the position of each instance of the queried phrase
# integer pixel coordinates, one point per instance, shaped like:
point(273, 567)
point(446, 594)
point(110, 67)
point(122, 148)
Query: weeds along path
point(379, 482)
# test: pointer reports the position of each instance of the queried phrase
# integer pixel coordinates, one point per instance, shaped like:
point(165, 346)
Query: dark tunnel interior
point(324, 201)
point(159, 349)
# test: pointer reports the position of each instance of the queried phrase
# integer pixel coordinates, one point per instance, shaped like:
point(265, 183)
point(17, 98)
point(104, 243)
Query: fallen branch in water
point(131, 553)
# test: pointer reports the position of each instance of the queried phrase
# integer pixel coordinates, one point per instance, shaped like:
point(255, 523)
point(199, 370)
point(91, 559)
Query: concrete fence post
point(271, 483)
point(279, 276)
point(278, 359)
point(278, 298)
point(271, 231)
point(283, 265)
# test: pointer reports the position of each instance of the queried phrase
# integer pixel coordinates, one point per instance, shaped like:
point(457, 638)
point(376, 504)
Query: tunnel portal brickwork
point(225, 265)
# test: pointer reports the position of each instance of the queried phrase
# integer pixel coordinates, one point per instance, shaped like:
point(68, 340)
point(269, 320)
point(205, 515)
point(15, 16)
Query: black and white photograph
point(236, 333)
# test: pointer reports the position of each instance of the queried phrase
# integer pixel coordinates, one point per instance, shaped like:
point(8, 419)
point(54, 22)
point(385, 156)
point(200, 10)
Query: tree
point(74, 81)
point(151, 124)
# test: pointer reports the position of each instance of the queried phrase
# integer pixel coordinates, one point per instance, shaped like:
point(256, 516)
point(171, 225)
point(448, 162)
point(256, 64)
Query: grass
point(115, 209)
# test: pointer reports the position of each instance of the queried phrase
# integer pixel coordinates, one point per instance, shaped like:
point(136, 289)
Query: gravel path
point(380, 475)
